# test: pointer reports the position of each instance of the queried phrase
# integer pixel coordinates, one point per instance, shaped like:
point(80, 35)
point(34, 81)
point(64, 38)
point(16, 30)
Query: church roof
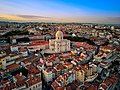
point(59, 33)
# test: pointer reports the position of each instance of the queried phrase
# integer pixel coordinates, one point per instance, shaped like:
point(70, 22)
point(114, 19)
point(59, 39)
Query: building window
point(38, 84)
point(65, 49)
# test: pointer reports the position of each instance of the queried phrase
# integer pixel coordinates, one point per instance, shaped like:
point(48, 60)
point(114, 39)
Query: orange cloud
point(11, 17)
point(52, 19)
point(33, 18)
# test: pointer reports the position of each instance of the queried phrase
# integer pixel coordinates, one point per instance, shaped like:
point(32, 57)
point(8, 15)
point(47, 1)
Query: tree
point(80, 39)
point(12, 33)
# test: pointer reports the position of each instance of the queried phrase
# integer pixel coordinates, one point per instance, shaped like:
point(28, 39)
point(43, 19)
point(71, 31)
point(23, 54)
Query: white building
point(13, 40)
point(14, 48)
point(59, 44)
point(48, 75)
point(112, 28)
point(23, 52)
point(34, 84)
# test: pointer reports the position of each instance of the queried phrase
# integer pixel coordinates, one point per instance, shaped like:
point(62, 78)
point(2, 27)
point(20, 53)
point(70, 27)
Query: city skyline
point(61, 11)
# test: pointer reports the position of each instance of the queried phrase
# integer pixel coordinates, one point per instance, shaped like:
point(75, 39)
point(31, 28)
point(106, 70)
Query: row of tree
point(80, 39)
point(18, 32)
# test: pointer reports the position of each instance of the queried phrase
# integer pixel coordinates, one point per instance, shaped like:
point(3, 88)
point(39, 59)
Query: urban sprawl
point(59, 56)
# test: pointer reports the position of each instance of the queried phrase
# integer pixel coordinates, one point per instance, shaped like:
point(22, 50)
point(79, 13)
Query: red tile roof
point(4, 82)
point(104, 87)
point(61, 67)
point(104, 63)
point(32, 81)
point(20, 83)
point(33, 69)
point(10, 87)
point(12, 66)
point(92, 88)
point(19, 59)
point(87, 84)
point(38, 43)
point(82, 44)
point(30, 59)
point(17, 76)
point(109, 81)
point(54, 85)
point(23, 50)
point(60, 88)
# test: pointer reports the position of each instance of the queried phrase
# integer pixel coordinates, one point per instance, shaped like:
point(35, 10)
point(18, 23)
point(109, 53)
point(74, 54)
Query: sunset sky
point(98, 11)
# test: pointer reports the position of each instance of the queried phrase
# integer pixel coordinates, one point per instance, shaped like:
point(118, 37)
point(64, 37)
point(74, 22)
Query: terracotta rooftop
point(87, 84)
point(60, 88)
point(33, 81)
point(61, 67)
point(4, 82)
point(54, 85)
point(20, 83)
point(19, 59)
point(30, 58)
point(17, 76)
point(12, 66)
point(10, 87)
point(104, 63)
point(92, 88)
point(103, 87)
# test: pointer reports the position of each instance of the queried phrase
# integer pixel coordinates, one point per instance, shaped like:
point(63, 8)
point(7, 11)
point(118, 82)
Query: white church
point(59, 44)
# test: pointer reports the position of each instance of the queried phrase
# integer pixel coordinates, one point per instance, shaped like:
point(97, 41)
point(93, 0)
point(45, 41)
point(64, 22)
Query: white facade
point(59, 44)
point(112, 28)
point(37, 86)
point(24, 53)
point(32, 48)
point(13, 48)
point(14, 41)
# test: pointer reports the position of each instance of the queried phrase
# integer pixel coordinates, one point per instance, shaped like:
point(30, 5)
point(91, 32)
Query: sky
point(90, 11)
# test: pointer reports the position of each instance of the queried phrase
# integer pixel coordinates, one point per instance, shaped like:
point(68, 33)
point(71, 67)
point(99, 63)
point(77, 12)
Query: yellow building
point(48, 75)
point(88, 71)
point(2, 63)
point(80, 74)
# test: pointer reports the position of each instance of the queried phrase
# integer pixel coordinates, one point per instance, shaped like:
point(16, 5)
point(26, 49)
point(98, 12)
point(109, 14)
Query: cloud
point(108, 20)
point(11, 17)
point(31, 16)
point(22, 17)
point(114, 18)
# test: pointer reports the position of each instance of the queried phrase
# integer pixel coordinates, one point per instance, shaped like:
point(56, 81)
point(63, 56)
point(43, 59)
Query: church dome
point(59, 33)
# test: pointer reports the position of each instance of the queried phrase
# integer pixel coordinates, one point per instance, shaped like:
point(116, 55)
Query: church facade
point(59, 44)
